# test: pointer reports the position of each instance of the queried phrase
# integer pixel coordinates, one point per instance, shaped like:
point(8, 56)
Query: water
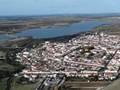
point(58, 31)
point(5, 37)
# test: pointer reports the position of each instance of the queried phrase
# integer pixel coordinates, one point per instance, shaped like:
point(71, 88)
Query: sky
point(45, 7)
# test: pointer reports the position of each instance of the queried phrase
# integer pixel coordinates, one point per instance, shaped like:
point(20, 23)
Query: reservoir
point(56, 31)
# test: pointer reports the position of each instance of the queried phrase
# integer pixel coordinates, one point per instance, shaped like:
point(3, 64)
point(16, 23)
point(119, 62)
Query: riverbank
point(113, 28)
point(10, 26)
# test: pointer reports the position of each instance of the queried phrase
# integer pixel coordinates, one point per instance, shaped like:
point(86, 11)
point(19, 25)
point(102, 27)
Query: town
point(93, 54)
point(59, 45)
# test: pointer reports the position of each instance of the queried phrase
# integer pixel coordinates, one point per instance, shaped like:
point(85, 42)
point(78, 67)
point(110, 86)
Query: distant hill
point(27, 17)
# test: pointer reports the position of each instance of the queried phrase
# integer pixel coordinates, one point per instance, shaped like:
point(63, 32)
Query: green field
point(24, 87)
point(3, 84)
point(111, 29)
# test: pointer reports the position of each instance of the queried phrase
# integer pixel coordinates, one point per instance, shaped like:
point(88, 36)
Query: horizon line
point(109, 13)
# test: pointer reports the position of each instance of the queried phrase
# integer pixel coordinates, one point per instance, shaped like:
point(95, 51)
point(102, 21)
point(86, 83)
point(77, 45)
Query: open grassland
point(111, 29)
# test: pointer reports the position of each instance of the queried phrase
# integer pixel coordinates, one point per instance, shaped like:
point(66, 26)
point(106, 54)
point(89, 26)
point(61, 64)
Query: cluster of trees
point(7, 70)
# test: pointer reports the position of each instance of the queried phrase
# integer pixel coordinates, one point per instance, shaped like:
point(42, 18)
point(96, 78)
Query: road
point(49, 83)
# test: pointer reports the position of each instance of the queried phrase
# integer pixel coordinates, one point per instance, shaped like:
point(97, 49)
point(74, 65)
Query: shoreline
point(67, 37)
point(10, 27)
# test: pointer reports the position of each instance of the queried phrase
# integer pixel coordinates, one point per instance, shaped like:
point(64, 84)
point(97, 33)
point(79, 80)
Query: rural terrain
point(83, 61)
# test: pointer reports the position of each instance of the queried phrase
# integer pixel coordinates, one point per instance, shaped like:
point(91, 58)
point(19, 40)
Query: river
point(55, 31)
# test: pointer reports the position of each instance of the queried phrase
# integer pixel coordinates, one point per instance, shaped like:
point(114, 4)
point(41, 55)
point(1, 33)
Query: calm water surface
point(57, 31)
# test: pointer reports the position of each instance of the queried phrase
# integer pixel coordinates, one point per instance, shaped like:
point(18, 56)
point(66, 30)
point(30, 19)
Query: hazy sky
point(38, 7)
